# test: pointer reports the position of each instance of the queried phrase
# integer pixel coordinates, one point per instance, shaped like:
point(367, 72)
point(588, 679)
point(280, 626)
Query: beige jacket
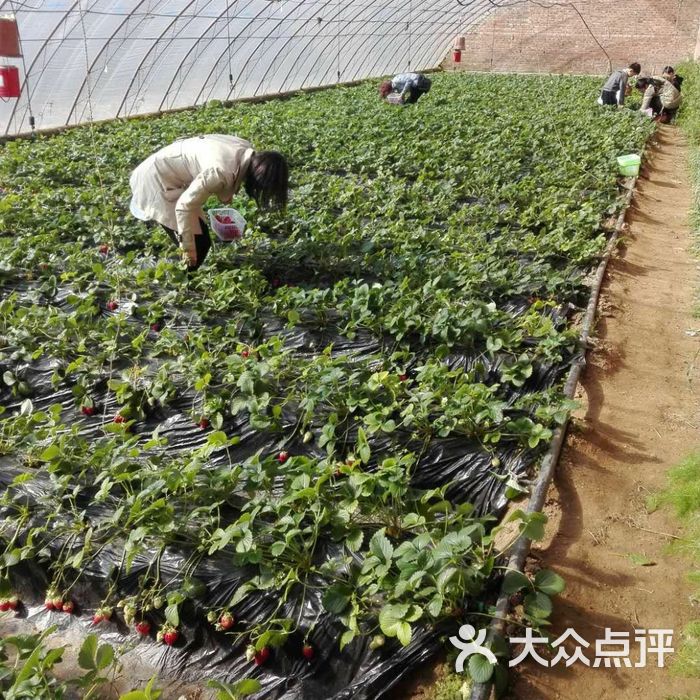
point(668, 94)
point(171, 185)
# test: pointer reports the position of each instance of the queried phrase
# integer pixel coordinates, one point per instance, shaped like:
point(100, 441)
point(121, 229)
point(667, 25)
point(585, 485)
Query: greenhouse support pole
point(482, 691)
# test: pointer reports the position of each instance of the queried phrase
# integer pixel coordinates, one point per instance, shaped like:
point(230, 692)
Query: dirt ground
point(640, 414)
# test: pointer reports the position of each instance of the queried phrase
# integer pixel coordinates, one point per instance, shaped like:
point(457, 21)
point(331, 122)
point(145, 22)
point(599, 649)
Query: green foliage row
point(414, 236)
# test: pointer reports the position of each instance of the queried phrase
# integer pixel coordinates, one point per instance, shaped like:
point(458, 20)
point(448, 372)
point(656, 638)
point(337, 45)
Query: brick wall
point(529, 38)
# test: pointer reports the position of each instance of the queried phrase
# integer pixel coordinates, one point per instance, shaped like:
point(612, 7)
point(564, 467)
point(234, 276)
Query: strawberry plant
point(336, 409)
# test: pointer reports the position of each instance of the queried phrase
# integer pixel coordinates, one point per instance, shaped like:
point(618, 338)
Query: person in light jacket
point(661, 96)
point(171, 186)
point(409, 87)
point(615, 89)
point(670, 74)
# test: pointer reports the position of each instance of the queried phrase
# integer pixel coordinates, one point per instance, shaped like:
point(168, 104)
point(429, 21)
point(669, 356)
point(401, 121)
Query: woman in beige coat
point(171, 186)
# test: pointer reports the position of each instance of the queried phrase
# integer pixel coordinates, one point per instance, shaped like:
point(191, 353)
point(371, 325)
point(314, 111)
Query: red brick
point(529, 38)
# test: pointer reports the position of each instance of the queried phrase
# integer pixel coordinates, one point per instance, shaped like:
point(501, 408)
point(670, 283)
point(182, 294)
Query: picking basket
point(228, 224)
point(629, 165)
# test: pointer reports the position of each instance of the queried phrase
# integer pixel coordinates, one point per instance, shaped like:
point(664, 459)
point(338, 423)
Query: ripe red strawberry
point(282, 457)
point(48, 604)
point(403, 377)
point(69, 607)
point(143, 628)
point(262, 656)
point(87, 410)
point(119, 418)
point(244, 353)
point(170, 637)
point(219, 218)
point(516, 598)
point(226, 621)
point(104, 249)
point(14, 602)
point(97, 618)
point(203, 423)
point(276, 282)
point(308, 652)
point(112, 305)
point(4, 605)
point(156, 327)
point(227, 220)
point(58, 604)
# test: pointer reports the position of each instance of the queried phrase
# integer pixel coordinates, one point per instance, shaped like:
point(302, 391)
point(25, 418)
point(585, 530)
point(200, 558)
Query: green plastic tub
point(629, 165)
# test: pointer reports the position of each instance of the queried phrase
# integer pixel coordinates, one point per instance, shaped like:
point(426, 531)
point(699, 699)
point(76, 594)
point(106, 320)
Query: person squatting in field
point(171, 186)
point(615, 89)
point(670, 74)
point(405, 88)
point(660, 96)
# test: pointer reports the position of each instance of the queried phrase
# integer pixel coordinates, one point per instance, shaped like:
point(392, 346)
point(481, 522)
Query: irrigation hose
point(482, 691)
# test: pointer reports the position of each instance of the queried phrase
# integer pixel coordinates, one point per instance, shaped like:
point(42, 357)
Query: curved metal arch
point(329, 43)
point(303, 49)
point(79, 21)
point(486, 9)
point(463, 26)
point(433, 37)
point(35, 59)
point(262, 43)
point(194, 46)
point(371, 39)
point(359, 48)
point(245, 65)
point(361, 9)
point(99, 54)
point(153, 48)
point(308, 43)
point(468, 23)
point(429, 37)
point(343, 48)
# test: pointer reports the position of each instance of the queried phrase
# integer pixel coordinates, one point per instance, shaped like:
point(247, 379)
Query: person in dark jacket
point(670, 75)
point(615, 89)
point(405, 88)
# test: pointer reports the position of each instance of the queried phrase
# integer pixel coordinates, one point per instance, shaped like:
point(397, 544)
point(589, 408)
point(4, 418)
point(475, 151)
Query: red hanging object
point(9, 81)
point(9, 38)
point(457, 55)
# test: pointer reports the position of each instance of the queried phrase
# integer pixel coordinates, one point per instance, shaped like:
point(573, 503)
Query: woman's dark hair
point(267, 179)
point(385, 88)
point(635, 68)
point(643, 83)
point(669, 69)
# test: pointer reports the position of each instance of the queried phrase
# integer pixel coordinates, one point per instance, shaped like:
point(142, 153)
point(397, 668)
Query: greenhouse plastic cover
point(99, 59)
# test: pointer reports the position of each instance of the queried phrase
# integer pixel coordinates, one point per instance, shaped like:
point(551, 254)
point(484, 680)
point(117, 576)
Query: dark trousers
point(609, 97)
point(413, 95)
point(202, 242)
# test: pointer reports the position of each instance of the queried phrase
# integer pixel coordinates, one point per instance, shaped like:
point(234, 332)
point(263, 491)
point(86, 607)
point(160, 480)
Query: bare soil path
point(640, 415)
